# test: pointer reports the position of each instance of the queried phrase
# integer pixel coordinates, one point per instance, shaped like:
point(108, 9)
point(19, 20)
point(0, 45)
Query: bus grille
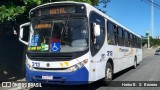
point(51, 57)
point(50, 68)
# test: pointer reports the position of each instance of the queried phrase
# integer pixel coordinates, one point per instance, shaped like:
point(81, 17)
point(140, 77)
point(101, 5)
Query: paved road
point(147, 70)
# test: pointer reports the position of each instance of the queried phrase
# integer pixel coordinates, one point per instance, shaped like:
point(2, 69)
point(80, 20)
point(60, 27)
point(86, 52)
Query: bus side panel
point(98, 64)
point(139, 56)
point(117, 58)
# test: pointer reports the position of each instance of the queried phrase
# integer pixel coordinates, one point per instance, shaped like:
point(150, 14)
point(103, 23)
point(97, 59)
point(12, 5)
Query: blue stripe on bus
point(77, 77)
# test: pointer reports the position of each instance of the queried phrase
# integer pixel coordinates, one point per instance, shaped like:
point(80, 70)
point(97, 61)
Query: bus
point(75, 43)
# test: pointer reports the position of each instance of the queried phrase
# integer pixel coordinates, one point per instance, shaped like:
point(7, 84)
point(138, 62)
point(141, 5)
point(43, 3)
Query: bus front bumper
point(77, 77)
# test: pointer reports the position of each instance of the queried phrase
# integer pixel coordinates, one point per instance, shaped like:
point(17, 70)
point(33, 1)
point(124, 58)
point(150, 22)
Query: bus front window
point(40, 36)
point(60, 35)
point(74, 36)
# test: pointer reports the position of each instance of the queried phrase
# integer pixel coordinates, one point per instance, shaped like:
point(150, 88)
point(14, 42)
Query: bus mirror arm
point(21, 33)
point(26, 43)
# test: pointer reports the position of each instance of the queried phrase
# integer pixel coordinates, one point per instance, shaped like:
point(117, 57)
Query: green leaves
point(153, 41)
point(11, 9)
point(32, 2)
point(9, 13)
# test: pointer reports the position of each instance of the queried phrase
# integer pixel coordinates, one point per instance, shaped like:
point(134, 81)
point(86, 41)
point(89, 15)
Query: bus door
point(98, 53)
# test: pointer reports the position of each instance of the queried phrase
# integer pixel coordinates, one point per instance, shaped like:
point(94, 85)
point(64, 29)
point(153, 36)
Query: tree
point(15, 12)
point(153, 42)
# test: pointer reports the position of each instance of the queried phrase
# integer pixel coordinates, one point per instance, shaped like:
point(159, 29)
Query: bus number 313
point(35, 64)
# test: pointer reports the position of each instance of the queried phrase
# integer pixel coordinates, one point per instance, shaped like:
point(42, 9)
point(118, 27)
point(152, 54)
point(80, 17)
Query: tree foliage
point(15, 12)
point(10, 13)
point(10, 9)
point(153, 42)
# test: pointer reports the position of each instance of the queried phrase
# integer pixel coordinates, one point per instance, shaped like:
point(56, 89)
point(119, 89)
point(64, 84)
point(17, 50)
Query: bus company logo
point(47, 64)
point(123, 50)
point(6, 84)
point(131, 52)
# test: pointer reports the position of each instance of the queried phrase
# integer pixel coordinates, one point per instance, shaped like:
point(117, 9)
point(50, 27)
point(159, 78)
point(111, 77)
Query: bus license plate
point(47, 77)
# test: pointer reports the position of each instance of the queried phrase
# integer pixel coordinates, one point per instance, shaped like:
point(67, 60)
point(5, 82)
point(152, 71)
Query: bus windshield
point(59, 35)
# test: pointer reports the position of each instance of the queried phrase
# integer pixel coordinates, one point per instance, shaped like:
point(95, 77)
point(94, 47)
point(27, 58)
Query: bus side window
point(120, 37)
point(133, 45)
point(115, 34)
point(97, 41)
point(131, 40)
point(111, 33)
point(135, 41)
point(126, 38)
point(140, 43)
point(123, 37)
point(92, 32)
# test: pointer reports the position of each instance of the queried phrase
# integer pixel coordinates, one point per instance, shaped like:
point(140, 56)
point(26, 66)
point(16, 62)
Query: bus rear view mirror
point(21, 33)
point(96, 29)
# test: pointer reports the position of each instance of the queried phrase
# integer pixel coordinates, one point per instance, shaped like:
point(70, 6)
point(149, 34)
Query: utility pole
point(152, 19)
point(148, 43)
point(153, 4)
point(148, 37)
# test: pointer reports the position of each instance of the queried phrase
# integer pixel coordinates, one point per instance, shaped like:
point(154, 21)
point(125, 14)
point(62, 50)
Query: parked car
point(157, 52)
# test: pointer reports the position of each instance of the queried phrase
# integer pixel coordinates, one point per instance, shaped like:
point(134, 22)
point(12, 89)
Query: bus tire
point(108, 74)
point(135, 63)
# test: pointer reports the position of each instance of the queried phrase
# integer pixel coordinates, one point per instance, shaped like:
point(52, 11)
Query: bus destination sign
point(53, 11)
point(59, 9)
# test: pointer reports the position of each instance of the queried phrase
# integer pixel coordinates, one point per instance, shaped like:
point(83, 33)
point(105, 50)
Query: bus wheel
point(135, 63)
point(108, 74)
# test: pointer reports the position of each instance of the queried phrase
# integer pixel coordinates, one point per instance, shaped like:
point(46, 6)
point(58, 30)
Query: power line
point(155, 4)
point(152, 19)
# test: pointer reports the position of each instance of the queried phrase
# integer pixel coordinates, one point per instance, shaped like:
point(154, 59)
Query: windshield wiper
point(63, 32)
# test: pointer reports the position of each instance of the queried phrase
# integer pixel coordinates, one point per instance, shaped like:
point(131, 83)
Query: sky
point(134, 14)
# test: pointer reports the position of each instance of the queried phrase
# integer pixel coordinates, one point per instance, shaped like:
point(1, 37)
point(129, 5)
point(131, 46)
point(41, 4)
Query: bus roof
point(91, 8)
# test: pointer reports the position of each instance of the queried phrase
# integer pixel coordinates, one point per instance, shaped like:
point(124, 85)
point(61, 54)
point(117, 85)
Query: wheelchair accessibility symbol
point(56, 47)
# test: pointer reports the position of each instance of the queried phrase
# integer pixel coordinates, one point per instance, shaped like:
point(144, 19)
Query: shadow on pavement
point(122, 72)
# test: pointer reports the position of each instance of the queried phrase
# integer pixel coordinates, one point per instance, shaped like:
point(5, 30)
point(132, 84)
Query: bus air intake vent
point(50, 57)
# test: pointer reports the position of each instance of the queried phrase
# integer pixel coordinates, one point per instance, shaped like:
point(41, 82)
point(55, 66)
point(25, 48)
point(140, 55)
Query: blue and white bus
point(75, 43)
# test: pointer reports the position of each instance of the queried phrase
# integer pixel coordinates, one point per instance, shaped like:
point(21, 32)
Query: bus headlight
point(77, 66)
point(29, 66)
